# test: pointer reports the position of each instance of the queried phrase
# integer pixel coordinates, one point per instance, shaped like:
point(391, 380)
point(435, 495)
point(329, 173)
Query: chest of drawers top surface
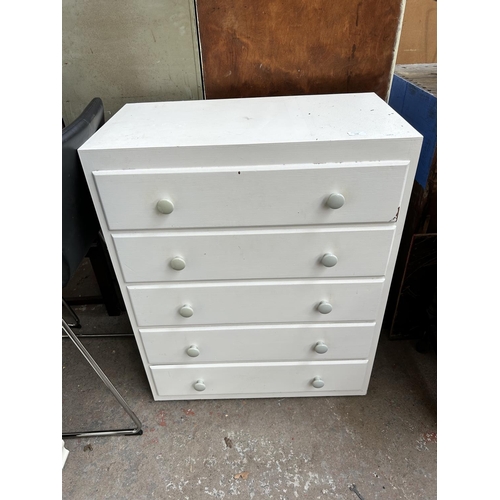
point(253, 121)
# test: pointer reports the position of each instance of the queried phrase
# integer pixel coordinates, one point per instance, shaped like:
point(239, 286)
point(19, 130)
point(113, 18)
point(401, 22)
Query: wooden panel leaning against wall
point(418, 42)
point(252, 48)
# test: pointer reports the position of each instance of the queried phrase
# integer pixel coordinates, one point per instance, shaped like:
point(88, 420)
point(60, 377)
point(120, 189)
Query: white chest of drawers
point(254, 240)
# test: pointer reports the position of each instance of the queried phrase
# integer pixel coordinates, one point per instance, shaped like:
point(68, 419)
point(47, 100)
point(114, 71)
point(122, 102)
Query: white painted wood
point(251, 196)
point(254, 121)
point(255, 301)
point(240, 379)
point(268, 139)
point(277, 253)
point(231, 344)
point(250, 155)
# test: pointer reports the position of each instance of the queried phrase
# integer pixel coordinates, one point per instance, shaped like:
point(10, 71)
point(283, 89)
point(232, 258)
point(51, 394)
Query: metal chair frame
point(134, 431)
point(90, 120)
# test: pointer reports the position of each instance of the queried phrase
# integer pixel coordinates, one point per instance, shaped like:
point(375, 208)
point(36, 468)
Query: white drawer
point(287, 301)
point(258, 379)
point(285, 253)
point(222, 344)
point(251, 196)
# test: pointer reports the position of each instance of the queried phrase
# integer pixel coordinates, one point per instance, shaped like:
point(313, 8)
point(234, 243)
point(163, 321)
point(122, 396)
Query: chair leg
point(137, 430)
point(77, 323)
point(105, 277)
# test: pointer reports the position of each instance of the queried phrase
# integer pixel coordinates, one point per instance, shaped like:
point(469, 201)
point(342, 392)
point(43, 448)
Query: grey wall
point(128, 51)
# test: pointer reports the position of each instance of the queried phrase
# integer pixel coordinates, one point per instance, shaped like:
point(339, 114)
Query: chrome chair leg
point(136, 431)
point(77, 323)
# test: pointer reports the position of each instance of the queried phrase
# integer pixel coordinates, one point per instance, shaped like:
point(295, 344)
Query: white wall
point(128, 51)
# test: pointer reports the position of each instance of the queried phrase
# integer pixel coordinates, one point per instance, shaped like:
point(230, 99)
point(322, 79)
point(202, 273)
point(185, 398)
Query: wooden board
point(418, 42)
point(276, 47)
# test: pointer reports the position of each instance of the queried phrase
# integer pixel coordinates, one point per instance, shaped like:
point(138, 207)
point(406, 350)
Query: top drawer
point(251, 196)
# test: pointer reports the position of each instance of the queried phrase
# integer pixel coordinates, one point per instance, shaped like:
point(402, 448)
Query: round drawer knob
point(178, 263)
point(318, 383)
point(193, 351)
point(165, 206)
point(335, 200)
point(186, 311)
point(329, 260)
point(325, 307)
point(199, 385)
point(321, 348)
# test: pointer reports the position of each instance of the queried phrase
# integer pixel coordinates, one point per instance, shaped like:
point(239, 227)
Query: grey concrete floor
point(307, 448)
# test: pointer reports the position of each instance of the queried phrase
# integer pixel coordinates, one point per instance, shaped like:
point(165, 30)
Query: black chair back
point(80, 226)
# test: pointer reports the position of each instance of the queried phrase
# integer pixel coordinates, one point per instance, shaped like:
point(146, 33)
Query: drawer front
point(262, 379)
point(266, 343)
point(250, 196)
point(218, 255)
point(256, 302)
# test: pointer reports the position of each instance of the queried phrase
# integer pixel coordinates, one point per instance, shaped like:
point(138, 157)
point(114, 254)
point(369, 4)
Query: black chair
point(81, 237)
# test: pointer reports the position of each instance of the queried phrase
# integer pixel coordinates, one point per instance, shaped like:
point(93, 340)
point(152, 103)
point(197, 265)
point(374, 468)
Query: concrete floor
point(307, 448)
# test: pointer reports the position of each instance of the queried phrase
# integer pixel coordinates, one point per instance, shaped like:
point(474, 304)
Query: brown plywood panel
point(253, 48)
point(418, 43)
